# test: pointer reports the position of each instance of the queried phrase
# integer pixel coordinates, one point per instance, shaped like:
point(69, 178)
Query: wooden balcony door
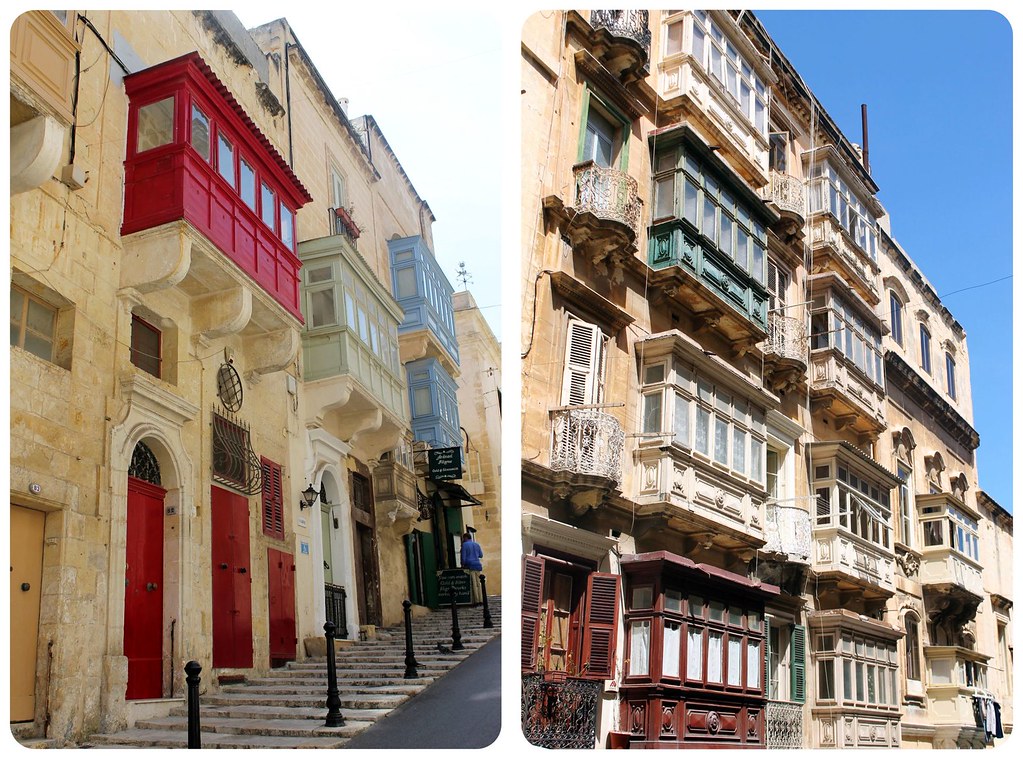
point(143, 590)
point(232, 580)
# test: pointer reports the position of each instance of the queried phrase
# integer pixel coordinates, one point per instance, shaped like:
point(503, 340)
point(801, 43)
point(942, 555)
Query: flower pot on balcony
point(618, 739)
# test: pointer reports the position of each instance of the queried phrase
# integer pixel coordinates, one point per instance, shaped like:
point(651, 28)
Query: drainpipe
point(287, 99)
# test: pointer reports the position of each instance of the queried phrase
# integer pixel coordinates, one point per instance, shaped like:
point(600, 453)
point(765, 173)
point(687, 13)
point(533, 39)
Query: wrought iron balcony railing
point(786, 337)
point(607, 194)
point(784, 724)
point(560, 714)
point(633, 24)
point(786, 192)
point(788, 530)
point(587, 441)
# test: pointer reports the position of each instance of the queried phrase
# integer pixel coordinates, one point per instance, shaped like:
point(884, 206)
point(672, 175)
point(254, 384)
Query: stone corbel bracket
point(271, 352)
point(221, 314)
point(156, 259)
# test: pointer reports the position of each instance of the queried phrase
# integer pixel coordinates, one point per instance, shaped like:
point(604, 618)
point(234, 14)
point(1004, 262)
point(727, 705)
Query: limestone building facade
point(212, 440)
point(751, 511)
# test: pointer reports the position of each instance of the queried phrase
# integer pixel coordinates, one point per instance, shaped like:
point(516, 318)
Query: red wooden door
point(232, 580)
point(143, 590)
point(281, 577)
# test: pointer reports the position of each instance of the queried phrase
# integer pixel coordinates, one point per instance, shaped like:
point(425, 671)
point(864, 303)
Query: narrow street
point(460, 710)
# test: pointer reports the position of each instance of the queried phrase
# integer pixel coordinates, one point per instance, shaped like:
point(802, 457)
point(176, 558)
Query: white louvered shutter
point(584, 361)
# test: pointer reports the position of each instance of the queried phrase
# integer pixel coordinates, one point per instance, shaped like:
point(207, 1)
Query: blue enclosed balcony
point(432, 397)
point(424, 293)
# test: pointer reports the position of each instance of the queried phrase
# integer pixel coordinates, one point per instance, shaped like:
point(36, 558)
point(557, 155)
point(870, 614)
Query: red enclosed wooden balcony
point(196, 162)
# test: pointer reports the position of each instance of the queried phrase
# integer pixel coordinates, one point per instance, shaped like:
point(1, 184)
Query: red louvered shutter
point(532, 599)
point(603, 593)
point(273, 499)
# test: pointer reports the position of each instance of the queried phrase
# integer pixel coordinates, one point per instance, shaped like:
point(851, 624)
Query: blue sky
point(938, 89)
point(432, 84)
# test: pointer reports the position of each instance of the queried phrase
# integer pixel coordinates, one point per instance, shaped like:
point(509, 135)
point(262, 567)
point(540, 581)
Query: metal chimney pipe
point(866, 147)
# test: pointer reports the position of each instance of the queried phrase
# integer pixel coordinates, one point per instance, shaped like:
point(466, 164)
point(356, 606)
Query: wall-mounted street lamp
point(309, 496)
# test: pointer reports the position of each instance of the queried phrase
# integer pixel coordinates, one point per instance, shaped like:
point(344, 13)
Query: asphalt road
point(460, 710)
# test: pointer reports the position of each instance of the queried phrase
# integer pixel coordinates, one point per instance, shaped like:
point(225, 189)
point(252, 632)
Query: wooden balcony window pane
point(734, 660)
point(694, 653)
point(201, 133)
point(156, 124)
point(248, 184)
point(268, 206)
point(225, 159)
point(753, 661)
point(715, 656)
point(671, 649)
point(323, 308)
point(639, 648)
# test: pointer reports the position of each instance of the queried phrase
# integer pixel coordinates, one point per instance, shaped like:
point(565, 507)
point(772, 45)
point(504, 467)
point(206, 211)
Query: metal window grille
point(560, 714)
point(144, 465)
point(234, 463)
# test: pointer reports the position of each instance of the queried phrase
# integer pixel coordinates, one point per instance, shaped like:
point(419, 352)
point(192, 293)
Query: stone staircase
point(287, 708)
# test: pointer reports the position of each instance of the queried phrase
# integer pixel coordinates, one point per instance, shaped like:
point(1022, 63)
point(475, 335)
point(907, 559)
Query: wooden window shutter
point(767, 658)
point(603, 593)
point(273, 499)
point(798, 648)
point(584, 359)
point(532, 599)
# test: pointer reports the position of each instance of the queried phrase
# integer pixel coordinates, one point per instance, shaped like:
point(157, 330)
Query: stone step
point(278, 726)
point(317, 689)
point(260, 712)
point(346, 681)
point(137, 737)
point(348, 700)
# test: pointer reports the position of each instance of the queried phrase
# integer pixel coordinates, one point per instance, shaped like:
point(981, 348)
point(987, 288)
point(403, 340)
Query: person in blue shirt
point(471, 562)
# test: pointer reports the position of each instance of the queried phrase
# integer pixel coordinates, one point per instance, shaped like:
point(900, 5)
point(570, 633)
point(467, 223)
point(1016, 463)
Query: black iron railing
point(560, 713)
point(335, 596)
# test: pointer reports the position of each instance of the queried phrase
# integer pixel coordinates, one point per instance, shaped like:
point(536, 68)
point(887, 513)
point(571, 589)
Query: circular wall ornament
point(229, 387)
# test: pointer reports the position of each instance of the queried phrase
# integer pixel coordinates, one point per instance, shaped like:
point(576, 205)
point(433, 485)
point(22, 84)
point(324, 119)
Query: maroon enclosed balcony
point(196, 163)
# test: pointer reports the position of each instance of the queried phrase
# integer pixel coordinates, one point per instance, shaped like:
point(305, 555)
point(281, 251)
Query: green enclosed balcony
point(353, 379)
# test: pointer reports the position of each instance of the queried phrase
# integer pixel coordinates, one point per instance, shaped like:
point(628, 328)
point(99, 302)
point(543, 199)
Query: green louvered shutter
point(767, 659)
point(798, 663)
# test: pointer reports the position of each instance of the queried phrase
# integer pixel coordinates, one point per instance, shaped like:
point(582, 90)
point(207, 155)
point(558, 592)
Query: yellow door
point(26, 585)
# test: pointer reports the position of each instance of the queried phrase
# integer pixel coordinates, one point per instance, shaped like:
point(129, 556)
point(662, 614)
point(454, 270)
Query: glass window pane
point(322, 306)
point(753, 663)
point(826, 679)
point(756, 453)
point(155, 124)
point(681, 420)
point(225, 159)
point(674, 43)
point(739, 450)
point(422, 402)
point(720, 440)
point(40, 318)
point(201, 133)
point(702, 430)
point(734, 660)
point(318, 274)
point(690, 198)
point(694, 653)
point(709, 227)
point(652, 413)
point(248, 183)
point(673, 600)
point(664, 197)
point(268, 205)
point(642, 597)
point(287, 227)
point(639, 648)
point(715, 656)
point(671, 649)
point(39, 346)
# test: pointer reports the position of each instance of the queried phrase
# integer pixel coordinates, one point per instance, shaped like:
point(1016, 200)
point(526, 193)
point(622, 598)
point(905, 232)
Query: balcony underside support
point(36, 149)
point(157, 258)
point(221, 314)
point(271, 352)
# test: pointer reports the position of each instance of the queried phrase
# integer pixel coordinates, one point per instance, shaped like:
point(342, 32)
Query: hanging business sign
point(445, 463)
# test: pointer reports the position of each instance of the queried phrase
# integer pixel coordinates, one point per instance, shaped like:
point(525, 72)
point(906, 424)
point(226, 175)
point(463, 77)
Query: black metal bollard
point(456, 634)
point(410, 655)
point(487, 621)
point(192, 670)
point(334, 718)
